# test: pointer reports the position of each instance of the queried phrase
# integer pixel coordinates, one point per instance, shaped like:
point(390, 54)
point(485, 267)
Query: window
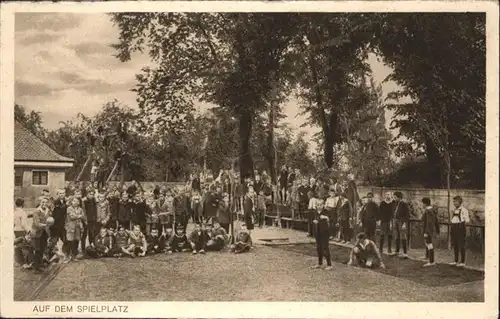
point(18, 177)
point(40, 178)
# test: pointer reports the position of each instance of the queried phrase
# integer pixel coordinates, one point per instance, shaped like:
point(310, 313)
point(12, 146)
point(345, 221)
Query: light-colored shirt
point(331, 202)
point(20, 220)
point(460, 215)
point(313, 202)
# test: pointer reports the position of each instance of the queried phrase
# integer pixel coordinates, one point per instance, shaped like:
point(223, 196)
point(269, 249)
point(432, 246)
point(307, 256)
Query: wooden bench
point(286, 222)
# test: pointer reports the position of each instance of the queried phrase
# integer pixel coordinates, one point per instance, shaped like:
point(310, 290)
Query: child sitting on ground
point(122, 243)
point(243, 241)
point(101, 246)
point(365, 253)
point(137, 242)
point(218, 238)
point(156, 244)
point(179, 241)
point(23, 251)
point(53, 254)
point(198, 239)
point(167, 238)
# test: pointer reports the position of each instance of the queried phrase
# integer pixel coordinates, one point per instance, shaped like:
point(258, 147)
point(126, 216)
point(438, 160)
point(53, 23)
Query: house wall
point(30, 193)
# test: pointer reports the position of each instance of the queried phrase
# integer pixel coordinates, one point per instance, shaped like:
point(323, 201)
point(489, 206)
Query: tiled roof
point(28, 147)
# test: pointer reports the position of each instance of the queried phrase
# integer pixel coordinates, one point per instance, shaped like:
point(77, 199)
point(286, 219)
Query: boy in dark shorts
point(322, 234)
point(431, 229)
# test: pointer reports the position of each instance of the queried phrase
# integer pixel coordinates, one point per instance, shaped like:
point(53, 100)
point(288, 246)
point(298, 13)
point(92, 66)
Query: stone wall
point(474, 200)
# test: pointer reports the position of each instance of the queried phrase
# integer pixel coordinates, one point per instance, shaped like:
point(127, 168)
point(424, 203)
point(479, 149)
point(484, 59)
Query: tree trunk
point(245, 130)
point(434, 162)
point(448, 195)
point(272, 148)
point(328, 151)
point(122, 172)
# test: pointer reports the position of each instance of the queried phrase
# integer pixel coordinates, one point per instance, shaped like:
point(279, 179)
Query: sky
point(64, 65)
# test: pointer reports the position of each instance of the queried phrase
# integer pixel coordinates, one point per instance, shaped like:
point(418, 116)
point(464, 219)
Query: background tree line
point(249, 64)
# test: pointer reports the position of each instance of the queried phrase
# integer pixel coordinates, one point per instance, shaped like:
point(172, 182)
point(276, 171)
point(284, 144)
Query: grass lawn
point(264, 274)
point(439, 275)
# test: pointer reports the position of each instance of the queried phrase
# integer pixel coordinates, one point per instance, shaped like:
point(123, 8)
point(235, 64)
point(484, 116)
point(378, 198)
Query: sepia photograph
point(248, 156)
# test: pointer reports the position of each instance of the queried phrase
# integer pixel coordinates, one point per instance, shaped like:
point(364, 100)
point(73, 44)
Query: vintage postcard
point(249, 159)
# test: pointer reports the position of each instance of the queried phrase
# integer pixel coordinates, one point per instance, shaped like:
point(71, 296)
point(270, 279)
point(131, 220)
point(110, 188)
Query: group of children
point(135, 244)
point(131, 222)
point(128, 222)
point(392, 217)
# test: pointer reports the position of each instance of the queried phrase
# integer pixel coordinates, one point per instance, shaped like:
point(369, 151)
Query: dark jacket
point(196, 237)
point(196, 184)
point(369, 212)
point(248, 207)
point(90, 209)
point(345, 210)
point(430, 221)
point(224, 213)
point(114, 207)
point(103, 242)
point(125, 210)
point(210, 205)
point(402, 211)
point(323, 228)
point(180, 205)
point(302, 194)
point(141, 211)
point(257, 186)
point(283, 179)
point(386, 211)
point(59, 213)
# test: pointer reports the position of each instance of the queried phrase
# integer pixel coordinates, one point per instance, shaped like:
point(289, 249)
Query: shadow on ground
point(437, 276)
point(264, 274)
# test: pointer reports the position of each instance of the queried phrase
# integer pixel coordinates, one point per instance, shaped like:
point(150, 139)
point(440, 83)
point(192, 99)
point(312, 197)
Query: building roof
point(28, 147)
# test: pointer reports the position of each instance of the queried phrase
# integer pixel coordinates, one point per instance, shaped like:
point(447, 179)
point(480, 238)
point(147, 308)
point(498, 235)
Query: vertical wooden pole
point(84, 167)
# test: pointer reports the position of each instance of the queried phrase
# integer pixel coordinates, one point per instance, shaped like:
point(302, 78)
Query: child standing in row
point(322, 235)
point(431, 229)
point(74, 228)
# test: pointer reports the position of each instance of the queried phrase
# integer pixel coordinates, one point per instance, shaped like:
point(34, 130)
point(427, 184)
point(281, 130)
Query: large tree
point(439, 61)
point(333, 52)
point(231, 60)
